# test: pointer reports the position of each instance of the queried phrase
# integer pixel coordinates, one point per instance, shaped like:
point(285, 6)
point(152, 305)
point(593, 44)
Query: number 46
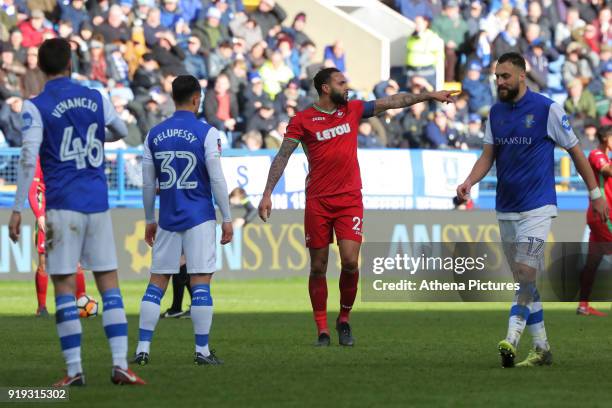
point(73, 149)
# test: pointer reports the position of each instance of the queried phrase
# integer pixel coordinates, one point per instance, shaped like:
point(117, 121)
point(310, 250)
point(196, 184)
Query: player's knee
point(349, 266)
point(318, 268)
point(525, 273)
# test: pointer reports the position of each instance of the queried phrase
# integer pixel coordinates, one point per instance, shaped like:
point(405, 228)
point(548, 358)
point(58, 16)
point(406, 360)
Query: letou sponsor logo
point(333, 132)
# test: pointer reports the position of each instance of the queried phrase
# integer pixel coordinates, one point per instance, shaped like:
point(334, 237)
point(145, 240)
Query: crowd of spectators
point(256, 66)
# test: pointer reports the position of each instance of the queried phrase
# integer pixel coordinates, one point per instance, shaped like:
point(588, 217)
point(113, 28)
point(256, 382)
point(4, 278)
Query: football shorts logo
point(529, 121)
point(26, 120)
point(565, 123)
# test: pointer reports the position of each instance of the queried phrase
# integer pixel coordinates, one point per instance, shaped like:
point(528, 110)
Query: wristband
point(595, 194)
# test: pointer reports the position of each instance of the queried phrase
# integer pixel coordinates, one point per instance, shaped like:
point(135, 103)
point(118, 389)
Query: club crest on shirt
point(340, 114)
point(529, 121)
point(26, 120)
point(565, 123)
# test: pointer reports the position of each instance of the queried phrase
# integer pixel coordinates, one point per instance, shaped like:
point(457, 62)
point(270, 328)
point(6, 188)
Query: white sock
point(149, 316)
point(69, 331)
point(535, 324)
point(201, 315)
point(115, 326)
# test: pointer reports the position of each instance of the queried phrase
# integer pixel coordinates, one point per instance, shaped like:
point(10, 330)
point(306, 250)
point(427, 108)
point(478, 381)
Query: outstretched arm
point(403, 100)
point(276, 171)
point(480, 169)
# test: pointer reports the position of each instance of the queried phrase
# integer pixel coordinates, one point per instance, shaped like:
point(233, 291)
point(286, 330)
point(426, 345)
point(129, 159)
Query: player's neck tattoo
point(320, 109)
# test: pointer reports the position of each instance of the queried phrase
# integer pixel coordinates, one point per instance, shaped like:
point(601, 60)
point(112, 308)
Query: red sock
point(584, 304)
point(348, 292)
point(42, 280)
point(317, 288)
point(80, 282)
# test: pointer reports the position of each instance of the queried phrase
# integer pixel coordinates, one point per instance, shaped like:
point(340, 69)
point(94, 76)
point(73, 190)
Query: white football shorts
point(524, 239)
point(197, 243)
point(72, 237)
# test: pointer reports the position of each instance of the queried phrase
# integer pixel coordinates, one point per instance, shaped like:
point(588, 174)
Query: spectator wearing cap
point(114, 28)
point(245, 27)
point(292, 93)
point(168, 54)
point(474, 137)
point(268, 15)
point(146, 77)
point(264, 119)
point(580, 103)
point(221, 106)
point(143, 7)
point(335, 53)
point(414, 123)
point(34, 30)
point(75, 12)
point(424, 50)
point(152, 27)
point(453, 29)
point(438, 133)
point(254, 96)
point(12, 71)
point(275, 74)
point(33, 80)
point(508, 40)
point(210, 31)
point(220, 59)
point(227, 13)
point(411, 9)
point(564, 29)
point(195, 64)
point(576, 65)
point(481, 98)
point(127, 7)
point(537, 61)
point(296, 31)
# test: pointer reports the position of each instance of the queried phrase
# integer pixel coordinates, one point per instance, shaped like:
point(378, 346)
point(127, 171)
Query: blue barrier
point(125, 185)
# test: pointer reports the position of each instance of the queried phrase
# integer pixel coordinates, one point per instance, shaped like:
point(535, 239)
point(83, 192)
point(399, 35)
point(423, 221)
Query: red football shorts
point(342, 213)
point(600, 239)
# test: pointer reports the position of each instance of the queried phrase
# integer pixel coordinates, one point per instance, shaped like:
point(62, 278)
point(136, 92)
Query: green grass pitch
point(417, 354)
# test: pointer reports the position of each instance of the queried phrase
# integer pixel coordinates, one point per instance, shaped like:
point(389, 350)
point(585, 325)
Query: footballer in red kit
point(600, 239)
point(328, 133)
point(36, 198)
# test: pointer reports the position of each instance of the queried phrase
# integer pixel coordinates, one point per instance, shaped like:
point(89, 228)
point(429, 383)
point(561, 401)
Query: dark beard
point(510, 94)
point(338, 98)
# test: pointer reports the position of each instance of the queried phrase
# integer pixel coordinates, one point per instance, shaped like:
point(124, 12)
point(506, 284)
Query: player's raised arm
point(276, 171)
point(32, 131)
point(404, 99)
point(218, 185)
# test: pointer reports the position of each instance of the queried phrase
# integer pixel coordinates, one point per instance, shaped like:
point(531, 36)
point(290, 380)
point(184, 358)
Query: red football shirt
point(330, 144)
point(598, 160)
point(36, 195)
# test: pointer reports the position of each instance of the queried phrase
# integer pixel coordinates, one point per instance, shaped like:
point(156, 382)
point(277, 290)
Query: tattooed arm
point(403, 100)
point(276, 171)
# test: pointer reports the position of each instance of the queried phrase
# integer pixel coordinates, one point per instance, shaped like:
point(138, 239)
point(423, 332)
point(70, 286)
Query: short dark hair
point(323, 77)
point(603, 133)
point(514, 58)
point(54, 56)
point(184, 87)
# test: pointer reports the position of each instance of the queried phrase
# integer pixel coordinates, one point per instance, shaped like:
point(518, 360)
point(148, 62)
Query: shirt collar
point(184, 114)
